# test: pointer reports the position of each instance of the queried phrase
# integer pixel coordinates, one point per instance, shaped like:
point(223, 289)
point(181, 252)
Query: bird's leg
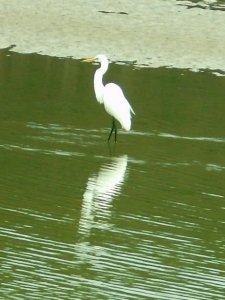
point(113, 127)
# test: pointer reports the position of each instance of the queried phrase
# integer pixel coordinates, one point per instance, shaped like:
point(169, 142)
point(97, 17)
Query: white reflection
point(100, 191)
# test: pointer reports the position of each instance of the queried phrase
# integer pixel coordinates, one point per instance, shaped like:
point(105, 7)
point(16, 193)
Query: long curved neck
point(98, 84)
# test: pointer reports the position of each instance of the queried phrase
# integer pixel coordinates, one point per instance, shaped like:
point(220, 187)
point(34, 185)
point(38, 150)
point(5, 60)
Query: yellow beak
point(91, 59)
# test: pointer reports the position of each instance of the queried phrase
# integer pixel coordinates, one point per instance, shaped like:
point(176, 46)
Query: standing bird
point(112, 96)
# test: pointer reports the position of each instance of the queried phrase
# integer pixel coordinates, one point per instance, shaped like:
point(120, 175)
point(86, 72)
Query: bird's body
point(111, 95)
point(117, 105)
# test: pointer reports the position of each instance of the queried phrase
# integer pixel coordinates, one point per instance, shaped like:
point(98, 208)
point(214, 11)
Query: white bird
point(111, 95)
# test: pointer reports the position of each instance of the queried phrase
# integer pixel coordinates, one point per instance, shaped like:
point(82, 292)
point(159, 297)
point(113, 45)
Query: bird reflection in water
point(100, 191)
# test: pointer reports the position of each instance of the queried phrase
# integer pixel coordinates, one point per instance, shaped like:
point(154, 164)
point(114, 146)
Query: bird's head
point(100, 58)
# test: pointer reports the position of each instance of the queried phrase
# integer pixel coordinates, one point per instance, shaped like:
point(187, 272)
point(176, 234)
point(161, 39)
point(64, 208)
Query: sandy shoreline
point(163, 33)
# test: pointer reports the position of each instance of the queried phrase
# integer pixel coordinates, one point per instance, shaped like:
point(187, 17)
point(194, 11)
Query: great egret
point(111, 95)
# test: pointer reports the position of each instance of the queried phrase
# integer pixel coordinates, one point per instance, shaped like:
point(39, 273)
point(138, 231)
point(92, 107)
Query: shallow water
point(81, 219)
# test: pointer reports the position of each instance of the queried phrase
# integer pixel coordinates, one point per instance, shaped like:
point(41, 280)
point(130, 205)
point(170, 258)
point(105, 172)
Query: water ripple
point(179, 137)
point(42, 151)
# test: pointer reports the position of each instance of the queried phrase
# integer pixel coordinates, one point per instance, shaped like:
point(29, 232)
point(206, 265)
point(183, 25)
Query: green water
point(81, 219)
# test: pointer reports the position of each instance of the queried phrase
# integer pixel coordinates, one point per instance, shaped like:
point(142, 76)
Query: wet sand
point(153, 33)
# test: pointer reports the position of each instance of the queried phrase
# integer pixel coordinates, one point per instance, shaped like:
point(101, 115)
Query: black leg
point(112, 129)
point(115, 131)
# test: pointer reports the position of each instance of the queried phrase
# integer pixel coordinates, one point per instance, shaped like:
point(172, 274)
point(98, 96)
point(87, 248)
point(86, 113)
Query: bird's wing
point(114, 91)
point(117, 105)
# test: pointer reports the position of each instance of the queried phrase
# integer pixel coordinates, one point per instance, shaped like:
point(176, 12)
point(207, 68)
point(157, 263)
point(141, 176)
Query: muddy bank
point(155, 33)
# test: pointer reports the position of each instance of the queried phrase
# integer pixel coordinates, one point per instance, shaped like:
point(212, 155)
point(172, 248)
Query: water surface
point(81, 219)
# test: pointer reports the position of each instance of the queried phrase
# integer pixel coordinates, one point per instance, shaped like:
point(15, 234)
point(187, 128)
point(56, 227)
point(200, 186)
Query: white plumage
point(117, 105)
point(111, 95)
